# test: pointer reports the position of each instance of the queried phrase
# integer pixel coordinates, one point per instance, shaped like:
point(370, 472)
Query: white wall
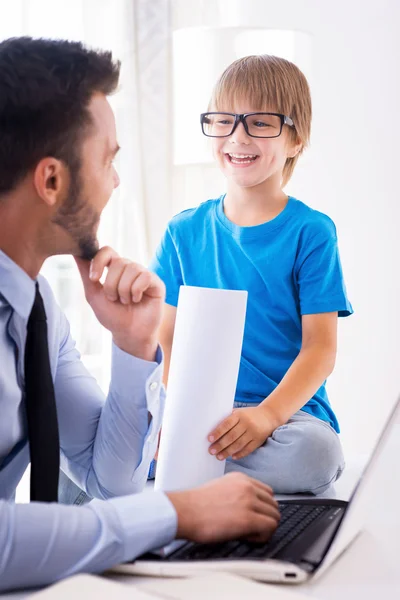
point(351, 173)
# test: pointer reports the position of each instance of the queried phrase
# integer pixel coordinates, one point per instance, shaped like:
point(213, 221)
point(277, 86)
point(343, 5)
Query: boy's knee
point(316, 457)
point(318, 444)
point(302, 456)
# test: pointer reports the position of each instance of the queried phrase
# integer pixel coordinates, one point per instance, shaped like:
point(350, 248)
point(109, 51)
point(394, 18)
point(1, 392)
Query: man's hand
point(231, 507)
point(129, 303)
point(241, 433)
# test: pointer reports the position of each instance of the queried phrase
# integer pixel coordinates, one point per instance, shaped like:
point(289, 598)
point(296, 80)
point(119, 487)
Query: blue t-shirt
point(290, 267)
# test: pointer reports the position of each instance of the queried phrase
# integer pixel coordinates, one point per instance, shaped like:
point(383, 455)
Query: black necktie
point(44, 443)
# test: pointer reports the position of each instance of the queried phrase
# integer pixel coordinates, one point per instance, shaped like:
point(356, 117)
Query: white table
point(370, 568)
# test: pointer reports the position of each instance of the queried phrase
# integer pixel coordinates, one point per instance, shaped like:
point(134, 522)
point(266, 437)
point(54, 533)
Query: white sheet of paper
point(202, 381)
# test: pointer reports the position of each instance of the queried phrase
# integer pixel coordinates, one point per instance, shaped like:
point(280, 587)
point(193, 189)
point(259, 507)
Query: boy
point(254, 237)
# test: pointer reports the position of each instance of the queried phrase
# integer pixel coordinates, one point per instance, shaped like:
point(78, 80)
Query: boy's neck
point(248, 207)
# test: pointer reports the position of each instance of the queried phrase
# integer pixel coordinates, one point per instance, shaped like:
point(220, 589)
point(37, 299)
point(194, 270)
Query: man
point(57, 144)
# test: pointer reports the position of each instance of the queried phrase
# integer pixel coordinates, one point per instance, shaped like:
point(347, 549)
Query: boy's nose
point(239, 136)
point(116, 179)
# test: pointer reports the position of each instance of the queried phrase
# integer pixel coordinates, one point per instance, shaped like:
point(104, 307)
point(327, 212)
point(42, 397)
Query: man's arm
point(108, 445)
point(42, 543)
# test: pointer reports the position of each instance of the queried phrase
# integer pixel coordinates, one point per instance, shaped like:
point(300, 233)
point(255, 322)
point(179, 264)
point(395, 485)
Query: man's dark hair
point(45, 89)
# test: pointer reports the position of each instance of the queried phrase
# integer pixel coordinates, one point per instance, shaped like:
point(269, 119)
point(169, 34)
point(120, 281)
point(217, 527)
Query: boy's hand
point(245, 430)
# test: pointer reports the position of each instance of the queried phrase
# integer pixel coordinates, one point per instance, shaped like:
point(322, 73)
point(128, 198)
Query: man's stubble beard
point(79, 219)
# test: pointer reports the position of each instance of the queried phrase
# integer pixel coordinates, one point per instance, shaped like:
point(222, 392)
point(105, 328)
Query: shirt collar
point(16, 286)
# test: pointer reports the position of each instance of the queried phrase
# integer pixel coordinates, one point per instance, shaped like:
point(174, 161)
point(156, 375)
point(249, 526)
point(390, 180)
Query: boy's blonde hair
point(269, 83)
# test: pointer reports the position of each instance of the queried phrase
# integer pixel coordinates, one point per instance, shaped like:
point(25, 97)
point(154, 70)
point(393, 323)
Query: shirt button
point(153, 386)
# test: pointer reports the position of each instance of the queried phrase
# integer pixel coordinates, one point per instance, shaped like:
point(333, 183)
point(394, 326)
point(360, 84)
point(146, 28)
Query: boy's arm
point(314, 363)
point(247, 429)
point(166, 337)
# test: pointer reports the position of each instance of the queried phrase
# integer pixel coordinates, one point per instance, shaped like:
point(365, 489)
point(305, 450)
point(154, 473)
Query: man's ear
point(51, 180)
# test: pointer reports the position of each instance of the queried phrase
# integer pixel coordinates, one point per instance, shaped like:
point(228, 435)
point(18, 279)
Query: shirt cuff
point(129, 373)
point(148, 521)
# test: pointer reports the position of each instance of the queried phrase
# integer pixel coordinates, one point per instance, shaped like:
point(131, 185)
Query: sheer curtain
point(138, 33)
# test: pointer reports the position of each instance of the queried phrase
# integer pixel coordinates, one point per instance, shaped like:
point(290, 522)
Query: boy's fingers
point(250, 447)
point(224, 427)
point(237, 446)
point(228, 439)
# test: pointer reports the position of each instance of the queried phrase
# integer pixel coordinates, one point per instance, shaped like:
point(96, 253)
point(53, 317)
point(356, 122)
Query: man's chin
point(88, 249)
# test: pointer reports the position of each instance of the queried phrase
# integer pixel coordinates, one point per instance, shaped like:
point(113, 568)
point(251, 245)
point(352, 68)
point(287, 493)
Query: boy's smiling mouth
point(241, 159)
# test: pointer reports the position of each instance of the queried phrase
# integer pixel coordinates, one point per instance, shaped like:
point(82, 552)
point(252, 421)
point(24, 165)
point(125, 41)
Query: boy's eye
point(225, 122)
point(261, 124)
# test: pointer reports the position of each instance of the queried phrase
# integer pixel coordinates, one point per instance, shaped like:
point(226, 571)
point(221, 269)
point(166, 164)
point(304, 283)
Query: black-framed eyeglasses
point(256, 124)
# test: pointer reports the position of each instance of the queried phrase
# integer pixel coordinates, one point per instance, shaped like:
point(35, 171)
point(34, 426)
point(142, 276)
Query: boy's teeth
point(243, 155)
point(242, 158)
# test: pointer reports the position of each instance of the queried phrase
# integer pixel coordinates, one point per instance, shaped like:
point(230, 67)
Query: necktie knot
point(38, 312)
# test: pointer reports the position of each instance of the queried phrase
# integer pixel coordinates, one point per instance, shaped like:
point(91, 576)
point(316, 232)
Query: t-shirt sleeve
point(166, 265)
point(320, 277)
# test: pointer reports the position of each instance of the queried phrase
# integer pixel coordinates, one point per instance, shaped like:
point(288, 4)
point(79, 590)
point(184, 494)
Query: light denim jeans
point(303, 456)
point(69, 493)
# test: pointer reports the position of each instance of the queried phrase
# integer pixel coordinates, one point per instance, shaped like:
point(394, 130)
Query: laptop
point(312, 533)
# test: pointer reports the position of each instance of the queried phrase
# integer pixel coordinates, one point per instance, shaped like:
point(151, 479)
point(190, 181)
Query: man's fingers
point(141, 285)
point(263, 528)
point(150, 284)
point(264, 506)
point(130, 273)
point(135, 281)
point(114, 274)
point(84, 270)
point(264, 488)
point(102, 260)
point(224, 427)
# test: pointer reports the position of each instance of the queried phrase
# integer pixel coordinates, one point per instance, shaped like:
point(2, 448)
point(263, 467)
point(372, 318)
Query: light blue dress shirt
point(106, 449)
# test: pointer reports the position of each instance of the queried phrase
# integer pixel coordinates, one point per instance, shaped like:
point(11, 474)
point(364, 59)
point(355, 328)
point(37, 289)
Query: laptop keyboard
point(295, 518)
